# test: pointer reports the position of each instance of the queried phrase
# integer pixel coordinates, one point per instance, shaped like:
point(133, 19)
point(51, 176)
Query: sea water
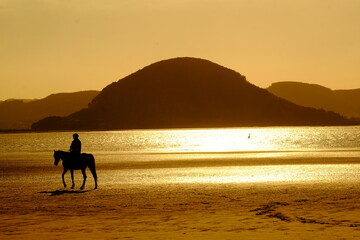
point(265, 139)
point(220, 150)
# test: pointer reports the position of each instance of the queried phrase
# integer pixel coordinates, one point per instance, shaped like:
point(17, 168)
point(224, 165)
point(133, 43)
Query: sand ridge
point(181, 202)
point(184, 211)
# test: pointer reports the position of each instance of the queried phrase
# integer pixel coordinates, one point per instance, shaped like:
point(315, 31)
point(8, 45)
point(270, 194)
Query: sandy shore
point(35, 206)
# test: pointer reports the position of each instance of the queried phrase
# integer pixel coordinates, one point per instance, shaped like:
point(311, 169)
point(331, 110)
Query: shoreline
point(174, 128)
point(144, 160)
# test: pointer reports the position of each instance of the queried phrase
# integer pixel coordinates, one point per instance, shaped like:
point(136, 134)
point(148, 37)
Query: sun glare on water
point(225, 143)
point(222, 140)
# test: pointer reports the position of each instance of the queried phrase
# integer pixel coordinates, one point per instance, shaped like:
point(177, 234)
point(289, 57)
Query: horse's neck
point(64, 155)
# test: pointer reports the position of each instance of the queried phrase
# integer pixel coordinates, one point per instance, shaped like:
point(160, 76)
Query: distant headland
point(344, 102)
point(18, 115)
point(187, 93)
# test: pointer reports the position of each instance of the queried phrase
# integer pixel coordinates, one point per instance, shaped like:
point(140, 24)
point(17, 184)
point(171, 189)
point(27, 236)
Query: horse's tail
point(91, 165)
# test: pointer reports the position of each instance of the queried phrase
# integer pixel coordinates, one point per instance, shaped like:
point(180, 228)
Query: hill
point(191, 93)
point(20, 114)
point(344, 102)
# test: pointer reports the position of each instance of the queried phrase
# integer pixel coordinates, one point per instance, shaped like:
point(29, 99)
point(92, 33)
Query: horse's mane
point(62, 152)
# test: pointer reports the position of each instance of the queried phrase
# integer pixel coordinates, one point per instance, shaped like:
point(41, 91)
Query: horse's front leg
point(84, 175)
point(63, 174)
point(72, 178)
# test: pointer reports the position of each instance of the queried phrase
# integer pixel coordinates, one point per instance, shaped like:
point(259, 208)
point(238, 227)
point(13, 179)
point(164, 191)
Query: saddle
point(76, 157)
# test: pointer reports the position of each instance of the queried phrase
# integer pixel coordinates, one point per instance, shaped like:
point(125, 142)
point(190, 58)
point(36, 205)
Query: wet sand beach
point(197, 199)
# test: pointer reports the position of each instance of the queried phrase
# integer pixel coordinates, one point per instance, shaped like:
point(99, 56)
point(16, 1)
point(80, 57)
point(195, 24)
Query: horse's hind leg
point(84, 175)
point(63, 174)
point(93, 171)
point(72, 178)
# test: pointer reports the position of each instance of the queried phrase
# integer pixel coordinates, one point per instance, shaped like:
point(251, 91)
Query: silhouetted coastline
point(20, 114)
point(344, 102)
point(188, 93)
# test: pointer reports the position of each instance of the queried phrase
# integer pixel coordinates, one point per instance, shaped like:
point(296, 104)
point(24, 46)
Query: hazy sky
point(51, 46)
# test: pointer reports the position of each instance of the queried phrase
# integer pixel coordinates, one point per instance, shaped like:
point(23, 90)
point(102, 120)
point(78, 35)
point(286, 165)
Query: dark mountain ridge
point(20, 114)
point(344, 102)
point(187, 93)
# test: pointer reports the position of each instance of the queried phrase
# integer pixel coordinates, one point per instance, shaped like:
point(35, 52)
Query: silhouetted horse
point(69, 163)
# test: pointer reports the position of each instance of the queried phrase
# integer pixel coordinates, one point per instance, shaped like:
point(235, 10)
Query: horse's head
point(56, 157)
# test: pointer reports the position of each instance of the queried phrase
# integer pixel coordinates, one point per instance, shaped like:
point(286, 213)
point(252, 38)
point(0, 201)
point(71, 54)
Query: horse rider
point(75, 147)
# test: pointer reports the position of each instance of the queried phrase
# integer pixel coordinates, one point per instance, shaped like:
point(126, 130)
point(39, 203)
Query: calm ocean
point(232, 155)
point(341, 140)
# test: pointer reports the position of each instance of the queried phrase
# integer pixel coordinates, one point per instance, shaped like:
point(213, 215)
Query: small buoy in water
point(249, 136)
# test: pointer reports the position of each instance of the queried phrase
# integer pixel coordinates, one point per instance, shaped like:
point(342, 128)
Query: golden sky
point(51, 46)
